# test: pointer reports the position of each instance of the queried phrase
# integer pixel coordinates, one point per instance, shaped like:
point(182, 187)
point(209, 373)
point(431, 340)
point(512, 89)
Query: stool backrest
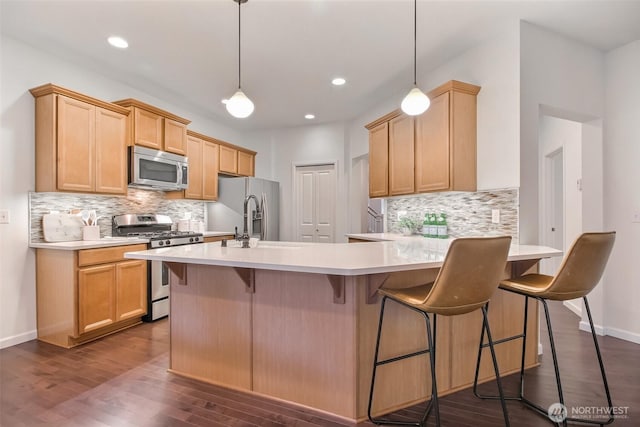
point(469, 276)
point(582, 267)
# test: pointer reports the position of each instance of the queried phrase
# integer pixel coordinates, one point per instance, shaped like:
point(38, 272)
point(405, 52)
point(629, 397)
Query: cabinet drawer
point(105, 255)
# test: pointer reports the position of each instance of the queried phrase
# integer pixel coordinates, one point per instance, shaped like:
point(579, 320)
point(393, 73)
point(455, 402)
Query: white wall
point(494, 66)
point(555, 74)
point(305, 145)
point(621, 192)
point(22, 68)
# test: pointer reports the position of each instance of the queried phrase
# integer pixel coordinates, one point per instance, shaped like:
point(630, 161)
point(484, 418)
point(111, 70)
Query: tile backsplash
point(136, 201)
point(468, 214)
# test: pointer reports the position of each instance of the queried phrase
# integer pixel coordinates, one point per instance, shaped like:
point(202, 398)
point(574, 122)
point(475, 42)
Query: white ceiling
point(186, 51)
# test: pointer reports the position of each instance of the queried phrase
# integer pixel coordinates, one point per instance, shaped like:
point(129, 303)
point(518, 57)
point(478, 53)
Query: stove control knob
point(160, 243)
point(190, 239)
point(167, 242)
point(197, 239)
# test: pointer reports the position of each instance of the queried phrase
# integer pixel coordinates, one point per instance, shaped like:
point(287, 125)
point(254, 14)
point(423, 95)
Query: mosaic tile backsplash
point(468, 214)
point(136, 201)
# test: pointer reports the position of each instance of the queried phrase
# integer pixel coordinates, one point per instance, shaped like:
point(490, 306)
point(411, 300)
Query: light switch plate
point(4, 216)
point(636, 217)
point(495, 216)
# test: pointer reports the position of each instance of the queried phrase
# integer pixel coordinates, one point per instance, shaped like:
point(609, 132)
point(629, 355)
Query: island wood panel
point(211, 326)
point(304, 347)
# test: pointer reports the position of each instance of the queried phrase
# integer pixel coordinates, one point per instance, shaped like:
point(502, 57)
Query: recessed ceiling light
point(118, 42)
point(338, 81)
point(224, 101)
point(309, 116)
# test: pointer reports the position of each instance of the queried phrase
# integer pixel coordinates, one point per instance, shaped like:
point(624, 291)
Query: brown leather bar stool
point(469, 276)
point(580, 272)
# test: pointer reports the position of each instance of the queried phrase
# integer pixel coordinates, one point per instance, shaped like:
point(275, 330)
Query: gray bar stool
point(469, 276)
point(580, 272)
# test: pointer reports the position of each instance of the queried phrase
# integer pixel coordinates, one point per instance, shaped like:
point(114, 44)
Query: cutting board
point(61, 227)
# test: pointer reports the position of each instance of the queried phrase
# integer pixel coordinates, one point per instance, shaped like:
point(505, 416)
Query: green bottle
point(433, 225)
point(443, 232)
point(425, 225)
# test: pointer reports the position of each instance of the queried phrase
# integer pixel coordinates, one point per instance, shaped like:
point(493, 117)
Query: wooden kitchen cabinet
point(435, 151)
point(209, 239)
point(401, 155)
point(155, 128)
point(379, 160)
point(445, 146)
point(85, 294)
point(236, 160)
point(228, 160)
point(80, 142)
point(203, 152)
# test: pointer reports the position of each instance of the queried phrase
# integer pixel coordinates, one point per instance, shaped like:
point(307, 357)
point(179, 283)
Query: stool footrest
point(501, 340)
point(405, 356)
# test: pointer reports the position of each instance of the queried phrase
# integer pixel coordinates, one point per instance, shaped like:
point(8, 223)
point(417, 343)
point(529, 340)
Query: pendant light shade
point(416, 102)
point(239, 105)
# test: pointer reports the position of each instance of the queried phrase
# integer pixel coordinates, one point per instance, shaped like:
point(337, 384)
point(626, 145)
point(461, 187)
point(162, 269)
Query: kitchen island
point(297, 322)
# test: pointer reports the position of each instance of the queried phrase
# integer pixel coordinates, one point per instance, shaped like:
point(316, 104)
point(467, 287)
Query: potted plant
point(407, 225)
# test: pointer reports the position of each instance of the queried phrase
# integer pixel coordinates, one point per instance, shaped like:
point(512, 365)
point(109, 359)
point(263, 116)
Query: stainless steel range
point(157, 228)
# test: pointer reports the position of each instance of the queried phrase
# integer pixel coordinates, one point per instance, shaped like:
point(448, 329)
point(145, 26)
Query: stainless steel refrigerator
point(228, 212)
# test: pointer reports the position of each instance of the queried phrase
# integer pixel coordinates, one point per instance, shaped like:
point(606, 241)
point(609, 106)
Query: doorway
point(315, 203)
point(553, 226)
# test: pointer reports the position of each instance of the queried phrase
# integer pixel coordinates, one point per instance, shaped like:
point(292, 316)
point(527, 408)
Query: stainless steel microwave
point(157, 170)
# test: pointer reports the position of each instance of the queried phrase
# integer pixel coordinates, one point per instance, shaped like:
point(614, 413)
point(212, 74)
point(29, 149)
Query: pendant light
point(416, 102)
point(239, 105)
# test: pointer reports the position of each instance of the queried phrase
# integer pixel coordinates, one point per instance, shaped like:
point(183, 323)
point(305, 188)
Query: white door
point(315, 203)
point(554, 224)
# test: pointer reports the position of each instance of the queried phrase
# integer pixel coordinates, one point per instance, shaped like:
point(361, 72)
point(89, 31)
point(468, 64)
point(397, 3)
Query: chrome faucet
point(245, 233)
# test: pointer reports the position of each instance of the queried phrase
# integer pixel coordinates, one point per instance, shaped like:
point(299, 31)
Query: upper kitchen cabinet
point(236, 161)
point(155, 128)
point(203, 153)
point(435, 151)
point(445, 135)
point(80, 142)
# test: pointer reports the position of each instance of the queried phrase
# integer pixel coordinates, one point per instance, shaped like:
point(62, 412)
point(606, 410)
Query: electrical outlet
point(636, 217)
point(401, 214)
point(4, 216)
point(495, 216)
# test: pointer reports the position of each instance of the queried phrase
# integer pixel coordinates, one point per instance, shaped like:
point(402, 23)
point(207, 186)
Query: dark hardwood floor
point(121, 380)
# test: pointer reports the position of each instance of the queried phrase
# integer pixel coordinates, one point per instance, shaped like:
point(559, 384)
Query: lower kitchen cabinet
point(83, 295)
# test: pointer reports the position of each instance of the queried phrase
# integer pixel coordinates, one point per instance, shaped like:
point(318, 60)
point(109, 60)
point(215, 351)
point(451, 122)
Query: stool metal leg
point(433, 404)
point(485, 325)
point(520, 397)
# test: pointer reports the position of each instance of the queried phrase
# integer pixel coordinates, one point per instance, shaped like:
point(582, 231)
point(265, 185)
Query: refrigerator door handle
point(264, 207)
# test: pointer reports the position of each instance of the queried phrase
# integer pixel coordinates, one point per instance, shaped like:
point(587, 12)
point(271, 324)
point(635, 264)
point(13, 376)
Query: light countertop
point(106, 242)
point(328, 258)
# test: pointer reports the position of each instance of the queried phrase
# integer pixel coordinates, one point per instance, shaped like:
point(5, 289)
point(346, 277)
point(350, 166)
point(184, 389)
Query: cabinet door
point(96, 297)
point(401, 155)
point(131, 289)
point(175, 137)
point(111, 152)
point(245, 164)
point(433, 147)
point(194, 153)
point(228, 160)
point(210, 171)
point(379, 160)
point(76, 145)
point(147, 129)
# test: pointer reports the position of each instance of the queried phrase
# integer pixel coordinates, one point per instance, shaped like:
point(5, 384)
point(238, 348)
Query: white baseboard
point(18, 339)
point(612, 332)
point(539, 348)
point(577, 309)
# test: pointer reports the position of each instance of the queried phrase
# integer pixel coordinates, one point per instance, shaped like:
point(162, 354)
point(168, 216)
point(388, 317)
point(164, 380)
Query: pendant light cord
point(415, 36)
point(239, 62)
